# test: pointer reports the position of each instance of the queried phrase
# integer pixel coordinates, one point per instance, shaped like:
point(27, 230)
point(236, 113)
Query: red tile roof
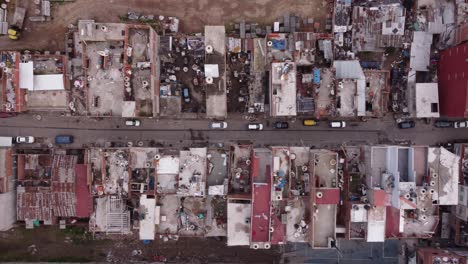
point(84, 202)
point(392, 223)
point(380, 198)
point(260, 223)
point(329, 196)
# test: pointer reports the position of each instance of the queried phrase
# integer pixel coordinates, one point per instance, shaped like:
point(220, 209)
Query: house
point(410, 183)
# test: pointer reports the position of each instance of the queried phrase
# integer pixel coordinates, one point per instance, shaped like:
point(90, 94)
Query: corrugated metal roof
point(348, 69)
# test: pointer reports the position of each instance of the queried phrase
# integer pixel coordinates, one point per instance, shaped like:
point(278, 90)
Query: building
point(441, 255)
point(283, 89)
point(351, 91)
point(123, 55)
point(453, 81)
point(45, 77)
point(215, 72)
point(379, 26)
point(324, 198)
point(260, 225)
point(427, 100)
point(12, 95)
point(46, 189)
point(411, 182)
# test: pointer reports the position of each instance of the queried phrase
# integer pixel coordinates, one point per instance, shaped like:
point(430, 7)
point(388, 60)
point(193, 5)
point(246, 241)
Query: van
point(337, 124)
point(64, 139)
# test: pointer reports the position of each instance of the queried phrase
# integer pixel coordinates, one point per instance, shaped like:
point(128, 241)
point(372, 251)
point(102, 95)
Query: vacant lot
point(194, 14)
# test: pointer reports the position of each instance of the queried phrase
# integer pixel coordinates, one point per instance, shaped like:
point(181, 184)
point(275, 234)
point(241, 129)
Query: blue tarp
point(279, 44)
point(317, 76)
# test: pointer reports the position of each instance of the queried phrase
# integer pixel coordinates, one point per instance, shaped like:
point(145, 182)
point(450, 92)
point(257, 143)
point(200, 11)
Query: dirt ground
point(72, 245)
point(194, 14)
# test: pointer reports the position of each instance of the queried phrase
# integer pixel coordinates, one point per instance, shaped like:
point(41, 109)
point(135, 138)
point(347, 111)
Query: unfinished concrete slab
point(105, 83)
point(298, 215)
point(324, 225)
point(325, 93)
point(169, 214)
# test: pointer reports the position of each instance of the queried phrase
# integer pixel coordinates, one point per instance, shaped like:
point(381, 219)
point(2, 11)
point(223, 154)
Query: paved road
point(350, 252)
point(187, 132)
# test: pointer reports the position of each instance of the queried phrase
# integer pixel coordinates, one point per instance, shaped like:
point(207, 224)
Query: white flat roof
point(420, 51)
point(26, 75)
point(48, 82)
point(359, 214)
point(283, 89)
point(147, 224)
point(168, 165)
point(238, 230)
point(426, 95)
point(376, 224)
point(212, 70)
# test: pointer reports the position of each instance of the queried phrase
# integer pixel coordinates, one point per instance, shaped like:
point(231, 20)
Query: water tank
point(209, 49)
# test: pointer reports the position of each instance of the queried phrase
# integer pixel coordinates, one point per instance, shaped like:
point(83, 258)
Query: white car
point(255, 126)
point(337, 124)
point(460, 124)
point(132, 122)
point(218, 125)
point(27, 140)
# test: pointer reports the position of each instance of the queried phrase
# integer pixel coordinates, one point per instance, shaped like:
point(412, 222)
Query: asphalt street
point(193, 131)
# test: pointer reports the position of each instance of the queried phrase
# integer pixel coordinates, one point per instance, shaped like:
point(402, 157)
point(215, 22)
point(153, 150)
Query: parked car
point(337, 124)
point(218, 125)
point(26, 140)
point(309, 122)
point(406, 124)
point(186, 94)
point(443, 124)
point(255, 126)
point(460, 124)
point(281, 125)
point(132, 122)
point(7, 114)
point(64, 139)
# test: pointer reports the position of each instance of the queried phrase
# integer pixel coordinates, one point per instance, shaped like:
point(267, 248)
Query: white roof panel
point(26, 75)
point(48, 82)
point(147, 224)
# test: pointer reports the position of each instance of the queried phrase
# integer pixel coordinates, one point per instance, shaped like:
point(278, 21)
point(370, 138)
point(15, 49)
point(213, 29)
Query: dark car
point(186, 94)
point(281, 125)
point(64, 139)
point(443, 124)
point(406, 124)
point(7, 114)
